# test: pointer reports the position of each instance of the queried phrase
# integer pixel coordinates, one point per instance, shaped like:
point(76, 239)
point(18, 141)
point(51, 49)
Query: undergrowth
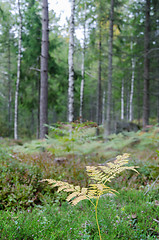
point(25, 165)
point(28, 206)
point(128, 216)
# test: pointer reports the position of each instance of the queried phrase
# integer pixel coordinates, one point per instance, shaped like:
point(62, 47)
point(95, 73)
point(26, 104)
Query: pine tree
point(44, 71)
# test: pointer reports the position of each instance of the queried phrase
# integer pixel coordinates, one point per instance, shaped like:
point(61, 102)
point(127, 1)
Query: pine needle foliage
point(99, 176)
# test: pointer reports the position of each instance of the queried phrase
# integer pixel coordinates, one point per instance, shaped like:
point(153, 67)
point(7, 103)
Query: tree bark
point(99, 88)
point(71, 66)
point(127, 103)
point(146, 65)
point(18, 74)
point(132, 87)
point(83, 68)
point(110, 69)
point(9, 85)
point(122, 100)
point(103, 108)
point(44, 71)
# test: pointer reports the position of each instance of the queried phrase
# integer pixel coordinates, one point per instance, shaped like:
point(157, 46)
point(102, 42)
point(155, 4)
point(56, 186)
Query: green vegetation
point(30, 209)
point(130, 215)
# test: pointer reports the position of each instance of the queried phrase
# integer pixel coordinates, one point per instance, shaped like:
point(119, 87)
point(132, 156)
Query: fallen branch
point(151, 186)
point(156, 220)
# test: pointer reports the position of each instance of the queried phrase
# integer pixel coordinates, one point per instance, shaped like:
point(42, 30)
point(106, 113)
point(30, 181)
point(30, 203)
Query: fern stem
point(97, 200)
point(91, 202)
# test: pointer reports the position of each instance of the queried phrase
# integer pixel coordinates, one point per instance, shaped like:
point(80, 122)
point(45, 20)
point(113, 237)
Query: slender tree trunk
point(44, 71)
point(99, 88)
point(146, 65)
point(122, 100)
point(9, 85)
point(139, 99)
point(103, 108)
point(18, 75)
point(71, 66)
point(132, 87)
point(110, 69)
point(127, 104)
point(83, 68)
point(38, 110)
point(81, 100)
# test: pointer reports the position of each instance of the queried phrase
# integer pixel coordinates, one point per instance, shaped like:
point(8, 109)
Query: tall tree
point(132, 86)
point(99, 86)
point(44, 70)
point(83, 66)
point(110, 68)
point(9, 83)
point(146, 106)
point(30, 67)
point(18, 74)
point(71, 65)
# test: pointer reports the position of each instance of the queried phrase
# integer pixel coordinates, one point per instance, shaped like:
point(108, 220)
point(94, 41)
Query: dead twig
point(152, 185)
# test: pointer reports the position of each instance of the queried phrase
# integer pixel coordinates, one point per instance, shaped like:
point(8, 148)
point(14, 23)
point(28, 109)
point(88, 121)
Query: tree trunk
point(9, 85)
point(146, 65)
point(132, 87)
point(44, 71)
point(127, 104)
point(122, 100)
point(99, 88)
point(83, 68)
point(38, 110)
point(110, 69)
point(139, 99)
point(18, 74)
point(71, 66)
point(103, 108)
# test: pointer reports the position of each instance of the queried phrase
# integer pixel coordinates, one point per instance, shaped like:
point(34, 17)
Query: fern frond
point(116, 167)
point(100, 175)
point(96, 190)
point(94, 173)
point(72, 195)
point(103, 174)
point(77, 194)
point(78, 199)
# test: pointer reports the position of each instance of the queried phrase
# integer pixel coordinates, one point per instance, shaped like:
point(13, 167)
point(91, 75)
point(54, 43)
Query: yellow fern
point(77, 193)
point(103, 174)
point(100, 175)
point(97, 189)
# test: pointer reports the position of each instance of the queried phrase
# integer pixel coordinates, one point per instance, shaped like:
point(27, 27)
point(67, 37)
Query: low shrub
point(19, 183)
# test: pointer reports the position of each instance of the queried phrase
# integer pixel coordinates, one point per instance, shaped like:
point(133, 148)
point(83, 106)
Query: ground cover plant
point(130, 215)
point(24, 199)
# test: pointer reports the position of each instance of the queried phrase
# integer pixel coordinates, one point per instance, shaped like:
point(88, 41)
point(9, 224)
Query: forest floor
point(33, 210)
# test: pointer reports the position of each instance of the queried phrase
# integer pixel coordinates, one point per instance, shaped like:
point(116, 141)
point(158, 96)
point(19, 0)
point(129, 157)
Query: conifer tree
point(18, 74)
point(44, 70)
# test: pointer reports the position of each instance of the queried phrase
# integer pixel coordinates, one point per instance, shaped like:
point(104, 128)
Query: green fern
point(99, 175)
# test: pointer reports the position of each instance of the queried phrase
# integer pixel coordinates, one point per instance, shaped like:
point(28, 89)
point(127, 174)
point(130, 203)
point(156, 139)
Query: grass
point(130, 215)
